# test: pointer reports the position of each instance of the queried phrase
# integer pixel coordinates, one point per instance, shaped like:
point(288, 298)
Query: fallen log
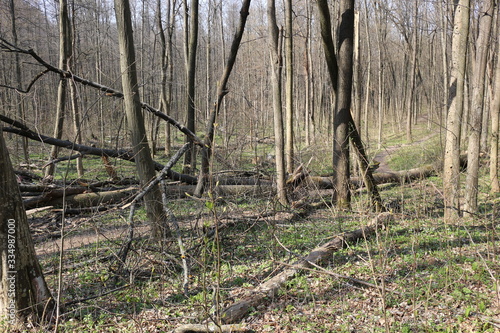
point(51, 195)
point(23, 130)
point(269, 289)
point(200, 328)
point(404, 176)
point(93, 198)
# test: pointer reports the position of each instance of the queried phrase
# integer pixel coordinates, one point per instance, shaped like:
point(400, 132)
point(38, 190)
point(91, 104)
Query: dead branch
point(239, 310)
point(9, 47)
point(208, 328)
point(130, 237)
point(21, 129)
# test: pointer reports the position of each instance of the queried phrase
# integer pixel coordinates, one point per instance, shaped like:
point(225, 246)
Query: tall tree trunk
point(476, 112)
point(381, 38)
point(357, 72)
point(309, 74)
point(444, 55)
point(166, 65)
point(341, 163)
point(222, 90)
point(143, 161)
point(276, 64)
point(451, 169)
point(74, 94)
point(23, 291)
point(344, 122)
point(495, 133)
point(413, 71)
point(64, 58)
point(368, 74)
point(341, 76)
point(190, 156)
point(19, 98)
point(289, 64)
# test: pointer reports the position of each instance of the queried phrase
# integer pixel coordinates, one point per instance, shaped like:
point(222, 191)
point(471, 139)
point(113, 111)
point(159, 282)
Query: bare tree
point(276, 64)
point(222, 90)
point(477, 107)
point(19, 99)
point(451, 172)
point(23, 291)
point(413, 47)
point(495, 121)
point(65, 52)
point(133, 108)
point(191, 47)
point(289, 65)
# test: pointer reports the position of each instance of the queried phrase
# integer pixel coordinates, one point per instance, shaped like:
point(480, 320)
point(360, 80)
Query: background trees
point(415, 64)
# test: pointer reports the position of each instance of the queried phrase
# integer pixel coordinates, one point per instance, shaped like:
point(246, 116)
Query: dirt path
point(75, 238)
point(384, 155)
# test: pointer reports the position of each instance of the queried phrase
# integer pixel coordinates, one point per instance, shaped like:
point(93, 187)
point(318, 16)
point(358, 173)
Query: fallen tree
point(269, 289)
point(405, 176)
point(23, 130)
point(90, 199)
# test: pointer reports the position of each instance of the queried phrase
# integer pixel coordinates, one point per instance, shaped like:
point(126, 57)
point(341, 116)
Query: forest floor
point(428, 276)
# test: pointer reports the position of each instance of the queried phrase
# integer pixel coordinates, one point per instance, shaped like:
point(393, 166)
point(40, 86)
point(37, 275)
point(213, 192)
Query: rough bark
point(451, 171)
point(23, 291)
point(477, 107)
point(143, 162)
point(269, 289)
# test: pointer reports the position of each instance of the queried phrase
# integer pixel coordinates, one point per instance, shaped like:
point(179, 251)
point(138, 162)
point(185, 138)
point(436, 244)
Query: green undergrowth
point(425, 276)
point(417, 155)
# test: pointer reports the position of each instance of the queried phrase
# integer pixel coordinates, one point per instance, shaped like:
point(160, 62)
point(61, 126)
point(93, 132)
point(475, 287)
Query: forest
point(249, 166)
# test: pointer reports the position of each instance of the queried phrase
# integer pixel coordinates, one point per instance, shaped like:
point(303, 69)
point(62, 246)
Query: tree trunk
point(19, 98)
point(476, 112)
point(23, 291)
point(190, 156)
point(495, 124)
point(222, 90)
point(368, 75)
point(143, 161)
point(289, 64)
point(64, 58)
point(413, 71)
point(276, 64)
point(451, 170)
point(341, 77)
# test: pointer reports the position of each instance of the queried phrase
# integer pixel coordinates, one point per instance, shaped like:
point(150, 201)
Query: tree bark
point(476, 112)
point(23, 291)
point(341, 163)
point(451, 172)
point(65, 51)
point(190, 156)
point(411, 93)
point(495, 124)
point(289, 65)
point(276, 64)
point(143, 161)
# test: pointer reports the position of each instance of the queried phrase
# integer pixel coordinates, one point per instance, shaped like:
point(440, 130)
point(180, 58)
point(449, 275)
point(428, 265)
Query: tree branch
point(8, 47)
